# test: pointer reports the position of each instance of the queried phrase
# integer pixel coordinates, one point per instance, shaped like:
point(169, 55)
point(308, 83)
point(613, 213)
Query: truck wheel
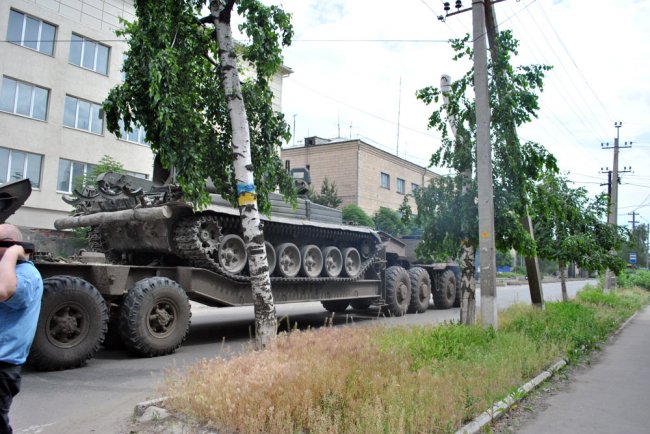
point(154, 317)
point(445, 291)
point(398, 290)
point(336, 306)
point(420, 290)
point(459, 295)
point(71, 325)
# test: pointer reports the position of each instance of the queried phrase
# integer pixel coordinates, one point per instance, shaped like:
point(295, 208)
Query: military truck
point(154, 253)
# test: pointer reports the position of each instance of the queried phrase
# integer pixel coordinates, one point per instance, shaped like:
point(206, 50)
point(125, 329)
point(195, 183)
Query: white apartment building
point(58, 61)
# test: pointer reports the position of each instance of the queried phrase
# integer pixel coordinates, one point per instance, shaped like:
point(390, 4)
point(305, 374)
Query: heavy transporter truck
point(153, 253)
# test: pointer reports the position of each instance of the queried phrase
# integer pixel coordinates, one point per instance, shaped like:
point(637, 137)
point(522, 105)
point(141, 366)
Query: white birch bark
point(265, 316)
point(467, 258)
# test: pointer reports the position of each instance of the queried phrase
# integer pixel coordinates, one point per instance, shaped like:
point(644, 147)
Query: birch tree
point(183, 84)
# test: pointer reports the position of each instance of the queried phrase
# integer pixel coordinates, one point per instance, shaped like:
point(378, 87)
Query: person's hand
point(18, 250)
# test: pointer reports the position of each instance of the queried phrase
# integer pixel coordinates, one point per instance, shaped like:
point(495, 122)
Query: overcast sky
point(358, 63)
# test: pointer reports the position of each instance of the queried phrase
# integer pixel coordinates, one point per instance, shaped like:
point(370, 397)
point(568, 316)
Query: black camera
point(28, 247)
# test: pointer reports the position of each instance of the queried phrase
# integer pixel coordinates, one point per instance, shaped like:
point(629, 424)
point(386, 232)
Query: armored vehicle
point(153, 253)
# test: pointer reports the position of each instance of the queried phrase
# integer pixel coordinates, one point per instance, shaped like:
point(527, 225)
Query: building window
point(137, 135)
point(401, 186)
point(385, 180)
point(89, 54)
point(72, 174)
point(414, 187)
point(31, 32)
point(83, 115)
point(23, 99)
point(138, 175)
point(16, 165)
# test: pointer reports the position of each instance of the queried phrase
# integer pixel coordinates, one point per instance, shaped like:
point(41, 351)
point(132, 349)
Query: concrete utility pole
point(633, 213)
point(612, 217)
point(487, 258)
point(532, 264)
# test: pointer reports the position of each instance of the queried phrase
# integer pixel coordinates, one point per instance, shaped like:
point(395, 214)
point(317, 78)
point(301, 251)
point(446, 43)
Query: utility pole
point(633, 213)
point(612, 217)
point(487, 258)
point(532, 264)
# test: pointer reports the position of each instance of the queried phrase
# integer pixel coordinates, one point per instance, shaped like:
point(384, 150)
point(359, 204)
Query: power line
point(574, 63)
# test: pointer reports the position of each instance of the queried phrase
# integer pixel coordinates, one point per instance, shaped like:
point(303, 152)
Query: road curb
point(502, 407)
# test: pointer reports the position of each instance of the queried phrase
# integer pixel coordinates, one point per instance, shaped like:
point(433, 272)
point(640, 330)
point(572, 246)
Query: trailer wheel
point(445, 292)
point(420, 290)
point(154, 317)
point(71, 326)
point(336, 306)
point(398, 290)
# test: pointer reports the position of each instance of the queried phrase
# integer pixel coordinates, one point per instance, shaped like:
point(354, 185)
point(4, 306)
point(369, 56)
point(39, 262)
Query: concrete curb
point(502, 407)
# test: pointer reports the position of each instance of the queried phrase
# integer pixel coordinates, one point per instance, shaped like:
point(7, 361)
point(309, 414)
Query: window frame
point(85, 43)
point(90, 115)
point(87, 168)
point(402, 182)
point(414, 187)
point(16, 95)
point(25, 168)
point(136, 128)
point(23, 30)
point(383, 176)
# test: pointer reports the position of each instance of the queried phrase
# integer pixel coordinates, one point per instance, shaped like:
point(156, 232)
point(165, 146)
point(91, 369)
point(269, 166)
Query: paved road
point(99, 398)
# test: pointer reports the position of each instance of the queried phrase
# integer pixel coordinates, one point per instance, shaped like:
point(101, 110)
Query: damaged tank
point(141, 222)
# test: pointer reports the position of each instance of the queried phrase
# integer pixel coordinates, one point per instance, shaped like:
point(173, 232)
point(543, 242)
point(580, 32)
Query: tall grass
point(392, 380)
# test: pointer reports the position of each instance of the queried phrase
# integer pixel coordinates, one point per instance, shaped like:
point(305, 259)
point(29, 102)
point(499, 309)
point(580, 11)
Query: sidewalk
point(611, 396)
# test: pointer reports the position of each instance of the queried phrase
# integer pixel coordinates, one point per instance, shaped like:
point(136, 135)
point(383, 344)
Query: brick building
point(364, 175)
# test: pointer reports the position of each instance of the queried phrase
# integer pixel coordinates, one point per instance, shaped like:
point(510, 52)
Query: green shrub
point(640, 278)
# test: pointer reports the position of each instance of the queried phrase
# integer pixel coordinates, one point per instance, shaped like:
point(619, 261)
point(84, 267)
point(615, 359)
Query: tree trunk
point(467, 285)
point(565, 295)
point(265, 316)
point(467, 255)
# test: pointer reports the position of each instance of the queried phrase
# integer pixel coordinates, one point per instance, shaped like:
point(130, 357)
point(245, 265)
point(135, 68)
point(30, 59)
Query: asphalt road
point(100, 397)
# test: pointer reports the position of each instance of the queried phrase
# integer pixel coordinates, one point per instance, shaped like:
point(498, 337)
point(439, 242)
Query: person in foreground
point(21, 289)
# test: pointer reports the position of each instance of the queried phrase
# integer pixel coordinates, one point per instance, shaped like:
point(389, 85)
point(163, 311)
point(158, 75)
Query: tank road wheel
point(398, 290)
point(232, 253)
point(361, 303)
point(333, 261)
point(420, 290)
point(270, 256)
point(288, 260)
point(445, 291)
point(351, 262)
point(154, 317)
point(71, 325)
point(335, 306)
point(312, 260)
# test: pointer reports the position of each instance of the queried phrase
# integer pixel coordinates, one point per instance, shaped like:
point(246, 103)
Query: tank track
point(190, 246)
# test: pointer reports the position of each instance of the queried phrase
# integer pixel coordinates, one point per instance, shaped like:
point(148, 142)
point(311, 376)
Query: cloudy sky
point(357, 65)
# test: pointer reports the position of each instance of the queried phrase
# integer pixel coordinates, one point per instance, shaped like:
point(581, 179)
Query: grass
point(396, 379)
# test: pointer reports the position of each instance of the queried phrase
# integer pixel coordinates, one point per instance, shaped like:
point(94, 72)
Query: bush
point(354, 214)
point(641, 278)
